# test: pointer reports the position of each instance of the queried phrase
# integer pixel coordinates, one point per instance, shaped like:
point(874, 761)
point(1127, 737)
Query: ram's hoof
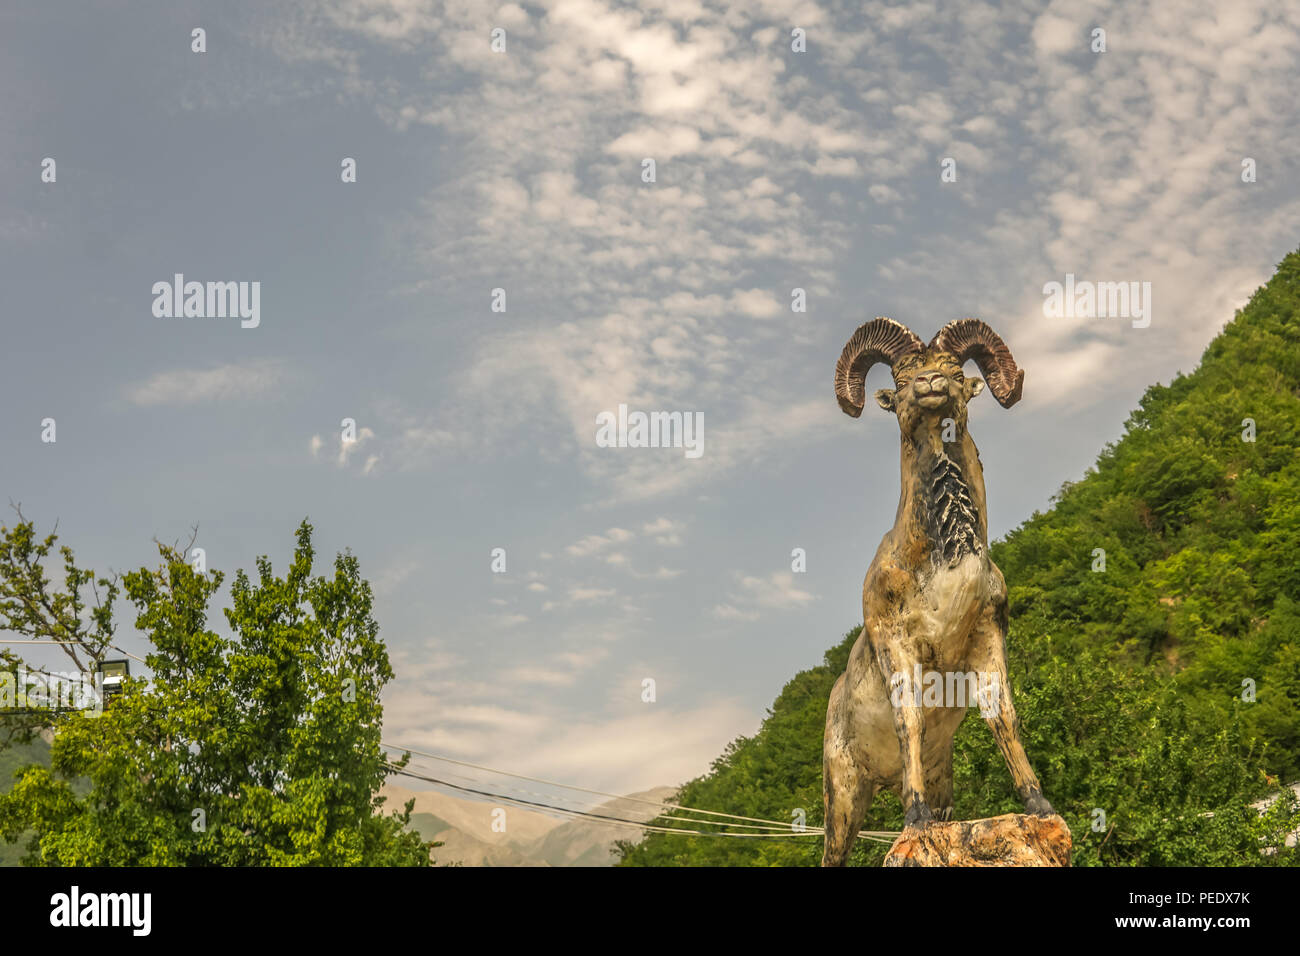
point(918, 815)
point(1038, 806)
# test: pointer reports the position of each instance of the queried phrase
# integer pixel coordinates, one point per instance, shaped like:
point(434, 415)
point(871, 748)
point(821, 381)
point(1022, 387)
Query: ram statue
point(934, 605)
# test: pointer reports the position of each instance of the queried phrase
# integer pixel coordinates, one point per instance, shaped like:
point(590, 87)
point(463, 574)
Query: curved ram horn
point(971, 339)
point(880, 340)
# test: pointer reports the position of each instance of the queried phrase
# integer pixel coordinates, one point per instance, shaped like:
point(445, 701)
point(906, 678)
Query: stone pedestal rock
point(1012, 839)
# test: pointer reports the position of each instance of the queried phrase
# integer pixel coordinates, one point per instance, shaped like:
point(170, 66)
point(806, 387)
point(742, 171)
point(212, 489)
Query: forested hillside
point(1154, 645)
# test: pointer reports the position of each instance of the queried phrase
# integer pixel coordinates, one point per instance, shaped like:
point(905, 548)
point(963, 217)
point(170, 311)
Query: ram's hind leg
point(847, 788)
point(847, 792)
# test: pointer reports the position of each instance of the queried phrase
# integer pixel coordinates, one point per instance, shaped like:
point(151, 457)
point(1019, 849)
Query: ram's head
point(928, 379)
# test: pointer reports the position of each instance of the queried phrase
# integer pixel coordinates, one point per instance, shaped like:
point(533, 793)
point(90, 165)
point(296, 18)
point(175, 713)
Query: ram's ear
point(973, 387)
point(886, 399)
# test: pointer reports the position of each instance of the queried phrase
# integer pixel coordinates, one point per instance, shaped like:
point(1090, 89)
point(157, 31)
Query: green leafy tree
point(77, 618)
point(258, 749)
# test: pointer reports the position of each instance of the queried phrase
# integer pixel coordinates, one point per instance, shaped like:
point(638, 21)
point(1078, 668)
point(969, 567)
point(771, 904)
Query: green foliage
point(260, 749)
point(12, 759)
point(32, 608)
point(1128, 682)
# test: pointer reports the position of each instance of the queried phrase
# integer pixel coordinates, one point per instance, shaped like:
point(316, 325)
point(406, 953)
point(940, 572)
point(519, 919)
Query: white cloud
point(729, 612)
point(347, 449)
point(538, 674)
point(756, 303)
point(731, 140)
point(235, 382)
point(774, 592)
point(594, 543)
point(1123, 152)
point(884, 194)
point(631, 748)
point(1053, 34)
point(665, 531)
point(391, 577)
point(662, 143)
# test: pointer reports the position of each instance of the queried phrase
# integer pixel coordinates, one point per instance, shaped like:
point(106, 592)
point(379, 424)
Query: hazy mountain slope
point(473, 818)
point(590, 842)
point(531, 838)
point(461, 849)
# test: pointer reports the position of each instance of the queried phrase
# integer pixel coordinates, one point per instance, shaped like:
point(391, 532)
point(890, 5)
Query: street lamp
point(112, 674)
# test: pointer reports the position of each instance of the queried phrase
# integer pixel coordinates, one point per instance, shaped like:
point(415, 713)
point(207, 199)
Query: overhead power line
point(78, 644)
point(599, 793)
point(616, 821)
point(784, 828)
point(879, 835)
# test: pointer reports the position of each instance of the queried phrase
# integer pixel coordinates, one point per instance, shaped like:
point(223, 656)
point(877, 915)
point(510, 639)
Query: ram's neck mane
point(951, 518)
point(942, 498)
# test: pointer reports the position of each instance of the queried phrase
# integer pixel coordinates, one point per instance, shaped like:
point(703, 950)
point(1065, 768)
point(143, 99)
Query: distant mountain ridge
point(531, 838)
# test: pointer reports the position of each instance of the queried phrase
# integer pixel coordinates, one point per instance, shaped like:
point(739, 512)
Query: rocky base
point(1013, 839)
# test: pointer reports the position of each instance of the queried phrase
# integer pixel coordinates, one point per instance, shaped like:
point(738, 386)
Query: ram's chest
point(948, 604)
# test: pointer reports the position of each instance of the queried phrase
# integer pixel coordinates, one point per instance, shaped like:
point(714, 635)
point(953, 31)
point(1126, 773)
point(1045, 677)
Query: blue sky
point(522, 170)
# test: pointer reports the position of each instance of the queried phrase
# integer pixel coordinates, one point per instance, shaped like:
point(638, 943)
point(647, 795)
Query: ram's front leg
point(897, 667)
point(990, 661)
